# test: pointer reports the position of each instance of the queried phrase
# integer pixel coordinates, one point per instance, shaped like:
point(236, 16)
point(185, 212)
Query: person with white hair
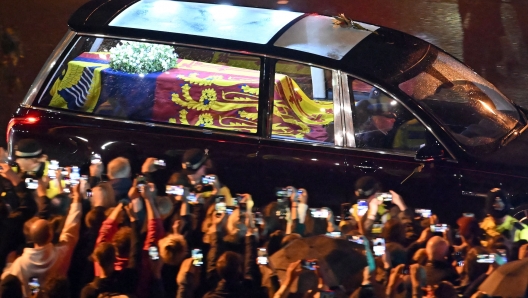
point(438, 267)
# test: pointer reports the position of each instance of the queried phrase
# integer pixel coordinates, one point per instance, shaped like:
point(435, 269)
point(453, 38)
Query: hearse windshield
point(476, 114)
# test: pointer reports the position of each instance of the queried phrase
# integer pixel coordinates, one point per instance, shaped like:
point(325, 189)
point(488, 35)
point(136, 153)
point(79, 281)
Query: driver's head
point(381, 110)
point(384, 122)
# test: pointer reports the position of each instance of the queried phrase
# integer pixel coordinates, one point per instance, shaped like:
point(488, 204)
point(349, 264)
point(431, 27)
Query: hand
point(148, 192)
point(176, 227)
point(398, 201)
point(293, 271)
point(373, 207)
point(417, 274)
point(130, 212)
point(42, 186)
point(76, 193)
point(7, 172)
point(58, 175)
point(96, 170)
point(188, 267)
point(219, 221)
point(395, 279)
point(155, 267)
point(425, 236)
point(11, 257)
point(133, 192)
point(98, 197)
point(148, 166)
point(293, 196)
point(3, 156)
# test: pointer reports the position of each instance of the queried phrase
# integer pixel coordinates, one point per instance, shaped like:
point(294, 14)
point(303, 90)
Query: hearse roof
point(375, 53)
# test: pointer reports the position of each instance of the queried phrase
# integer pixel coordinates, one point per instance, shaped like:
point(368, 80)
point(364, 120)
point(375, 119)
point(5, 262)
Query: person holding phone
point(438, 268)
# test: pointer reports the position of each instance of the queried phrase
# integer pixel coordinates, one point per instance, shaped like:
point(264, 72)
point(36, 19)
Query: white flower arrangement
point(142, 57)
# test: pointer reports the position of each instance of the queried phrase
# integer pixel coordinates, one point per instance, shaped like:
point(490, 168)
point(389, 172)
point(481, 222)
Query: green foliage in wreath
point(142, 57)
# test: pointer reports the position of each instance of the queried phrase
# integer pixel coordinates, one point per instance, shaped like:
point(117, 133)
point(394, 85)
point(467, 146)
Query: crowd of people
point(115, 234)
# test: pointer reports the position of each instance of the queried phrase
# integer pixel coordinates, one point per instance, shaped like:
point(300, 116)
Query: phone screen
point(34, 285)
point(355, 239)
point(31, 183)
point(153, 253)
point(54, 166)
point(438, 228)
point(385, 197)
point(262, 257)
point(160, 163)
point(362, 207)
point(319, 213)
point(75, 176)
point(334, 234)
point(281, 192)
point(220, 205)
point(197, 257)
point(485, 258)
point(425, 213)
point(208, 180)
point(467, 214)
point(378, 246)
point(259, 220)
point(95, 159)
point(308, 265)
point(192, 198)
point(175, 190)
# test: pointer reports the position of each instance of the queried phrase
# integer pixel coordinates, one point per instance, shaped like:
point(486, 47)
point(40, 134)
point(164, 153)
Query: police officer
point(498, 222)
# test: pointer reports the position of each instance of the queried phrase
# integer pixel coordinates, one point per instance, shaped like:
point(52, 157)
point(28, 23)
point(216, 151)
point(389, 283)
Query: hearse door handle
point(367, 166)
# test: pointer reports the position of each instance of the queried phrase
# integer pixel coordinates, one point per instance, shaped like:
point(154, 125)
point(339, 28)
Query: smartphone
point(355, 239)
point(197, 257)
point(281, 192)
point(230, 209)
point(54, 166)
point(67, 185)
point(95, 159)
point(75, 176)
point(467, 214)
point(334, 234)
point(378, 246)
point(308, 265)
point(160, 163)
point(460, 263)
point(259, 219)
point(262, 256)
point(242, 207)
point(362, 207)
point(405, 270)
point(141, 182)
point(501, 257)
point(319, 212)
point(438, 228)
point(153, 253)
point(220, 205)
point(34, 285)
point(345, 211)
point(425, 213)
point(31, 183)
point(385, 197)
point(208, 179)
point(486, 258)
point(88, 193)
point(175, 190)
point(191, 198)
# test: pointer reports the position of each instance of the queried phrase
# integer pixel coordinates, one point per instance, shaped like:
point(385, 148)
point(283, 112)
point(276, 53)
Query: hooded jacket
point(50, 259)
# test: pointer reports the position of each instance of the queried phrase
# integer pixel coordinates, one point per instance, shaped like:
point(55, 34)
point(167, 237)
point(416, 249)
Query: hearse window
point(158, 83)
point(303, 103)
point(382, 123)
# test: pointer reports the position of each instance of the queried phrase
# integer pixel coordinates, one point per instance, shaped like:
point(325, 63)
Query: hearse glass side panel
point(301, 151)
point(158, 83)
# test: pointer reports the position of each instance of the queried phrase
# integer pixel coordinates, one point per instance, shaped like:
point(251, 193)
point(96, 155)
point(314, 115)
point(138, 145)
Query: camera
point(197, 257)
point(31, 183)
point(262, 256)
point(153, 253)
point(425, 213)
point(54, 166)
point(175, 190)
point(319, 212)
point(438, 228)
point(95, 159)
point(378, 246)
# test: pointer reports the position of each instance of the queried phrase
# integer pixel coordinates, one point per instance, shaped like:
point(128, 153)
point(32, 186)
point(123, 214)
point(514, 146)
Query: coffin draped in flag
point(193, 93)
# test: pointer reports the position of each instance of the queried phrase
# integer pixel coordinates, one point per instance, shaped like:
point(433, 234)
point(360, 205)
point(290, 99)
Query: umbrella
point(341, 259)
point(509, 280)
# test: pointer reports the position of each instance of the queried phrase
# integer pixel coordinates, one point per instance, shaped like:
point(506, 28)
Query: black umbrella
point(509, 280)
point(342, 260)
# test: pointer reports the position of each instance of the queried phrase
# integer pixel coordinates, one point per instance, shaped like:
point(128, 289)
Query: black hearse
point(277, 98)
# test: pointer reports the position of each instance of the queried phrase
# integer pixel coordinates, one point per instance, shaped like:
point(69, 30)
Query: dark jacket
point(437, 271)
point(369, 136)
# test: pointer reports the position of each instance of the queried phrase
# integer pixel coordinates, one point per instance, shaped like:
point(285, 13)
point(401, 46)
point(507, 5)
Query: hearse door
point(384, 144)
point(301, 149)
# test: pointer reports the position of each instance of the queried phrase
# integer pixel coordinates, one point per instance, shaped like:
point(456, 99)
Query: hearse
point(277, 98)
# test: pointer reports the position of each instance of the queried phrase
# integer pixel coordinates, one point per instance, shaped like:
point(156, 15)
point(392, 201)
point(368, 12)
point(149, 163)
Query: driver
point(375, 131)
